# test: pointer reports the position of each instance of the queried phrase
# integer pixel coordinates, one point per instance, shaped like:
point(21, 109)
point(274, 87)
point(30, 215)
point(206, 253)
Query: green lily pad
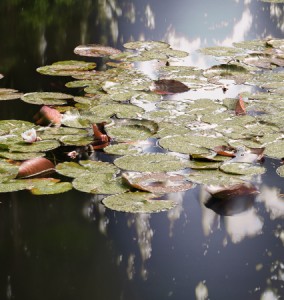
point(220, 51)
point(215, 177)
point(73, 169)
point(39, 146)
point(15, 126)
point(150, 162)
point(46, 98)
point(48, 133)
point(191, 144)
point(9, 94)
point(20, 155)
point(123, 149)
point(69, 140)
point(66, 68)
point(7, 171)
point(48, 186)
point(131, 130)
point(12, 185)
point(99, 184)
point(137, 202)
point(242, 168)
point(146, 45)
point(201, 165)
point(275, 149)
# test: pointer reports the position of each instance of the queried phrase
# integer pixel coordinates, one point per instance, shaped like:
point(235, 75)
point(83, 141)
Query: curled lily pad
point(46, 98)
point(73, 169)
point(95, 50)
point(99, 184)
point(238, 168)
point(137, 202)
point(66, 68)
point(47, 116)
point(158, 182)
point(39, 146)
point(7, 170)
point(33, 167)
point(150, 162)
point(9, 94)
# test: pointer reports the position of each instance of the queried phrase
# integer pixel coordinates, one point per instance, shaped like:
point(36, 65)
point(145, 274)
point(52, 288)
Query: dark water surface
point(70, 246)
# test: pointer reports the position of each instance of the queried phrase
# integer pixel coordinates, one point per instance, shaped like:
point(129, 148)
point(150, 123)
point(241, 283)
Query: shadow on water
point(70, 246)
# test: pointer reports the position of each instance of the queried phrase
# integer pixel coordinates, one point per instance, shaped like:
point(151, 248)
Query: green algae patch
point(137, 202)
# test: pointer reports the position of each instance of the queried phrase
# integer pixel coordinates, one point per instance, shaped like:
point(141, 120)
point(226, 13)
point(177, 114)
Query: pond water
point(69, 246)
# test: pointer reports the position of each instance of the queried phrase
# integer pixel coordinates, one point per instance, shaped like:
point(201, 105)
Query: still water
point(70, 246)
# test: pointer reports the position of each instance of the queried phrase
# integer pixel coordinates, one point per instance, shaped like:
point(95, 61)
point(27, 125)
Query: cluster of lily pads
point(158, 143)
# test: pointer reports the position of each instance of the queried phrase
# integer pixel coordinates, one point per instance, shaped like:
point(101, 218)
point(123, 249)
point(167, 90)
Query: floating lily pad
point(131, 130)
point(39, 146)
point(99, 184)
point(191, 144)
point(150, 162)
point(20, 155)
point(275, 149)
point(70, 140)
point(95, 50)
point(158, 182)
point(66, 68)
point(7, 170)
point(239, 168)
point(215, 177)
point(73, 169)
point(48, 186)
point(46, 98)
point(280, 171)
point(201, 165)
point(9, 94)
point(122, 149)
point(137, 202)
point(12, 185)
point(146, 45)
point(15, 126)
point(220, 51)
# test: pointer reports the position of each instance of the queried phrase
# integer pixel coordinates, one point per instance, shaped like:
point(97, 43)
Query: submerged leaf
point(137, 202)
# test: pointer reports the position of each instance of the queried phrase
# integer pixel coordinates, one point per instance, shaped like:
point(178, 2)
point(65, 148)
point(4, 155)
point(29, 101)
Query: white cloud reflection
point(150, 17)
point(247, 224)
point(273, 202)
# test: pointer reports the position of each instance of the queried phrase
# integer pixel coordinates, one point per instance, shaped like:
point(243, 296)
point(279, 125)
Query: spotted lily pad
point(84, 167)
point(137, 202)
point(39, 146)
point(47, 186)
point(99, 184)
point(7, 170)
point(158, 182)
point(66, 68)
point(46, 98)
point(131, 130)
point(239, 168)
point(146, 45)
point(150, 162)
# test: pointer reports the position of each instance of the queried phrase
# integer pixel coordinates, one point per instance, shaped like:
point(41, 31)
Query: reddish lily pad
point(95, 50)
